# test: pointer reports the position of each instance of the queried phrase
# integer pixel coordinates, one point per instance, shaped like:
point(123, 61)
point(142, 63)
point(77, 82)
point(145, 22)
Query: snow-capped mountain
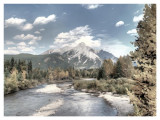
point(82, 56)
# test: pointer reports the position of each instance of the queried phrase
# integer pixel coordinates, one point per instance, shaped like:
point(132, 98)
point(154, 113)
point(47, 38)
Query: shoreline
point(40, 83)
point(120, 102)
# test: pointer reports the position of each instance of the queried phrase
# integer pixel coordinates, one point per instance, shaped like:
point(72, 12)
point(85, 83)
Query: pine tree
point(118, 68)
point(29, 70)
point(100, 74)
point(11, 64)
point(19, 66)
point(144, 94)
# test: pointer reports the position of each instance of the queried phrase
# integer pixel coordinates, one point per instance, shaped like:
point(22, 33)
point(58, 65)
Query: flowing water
point(67, 103)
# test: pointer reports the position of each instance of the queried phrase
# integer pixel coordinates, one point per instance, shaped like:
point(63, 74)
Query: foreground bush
point(117, 86)
point(10, 86)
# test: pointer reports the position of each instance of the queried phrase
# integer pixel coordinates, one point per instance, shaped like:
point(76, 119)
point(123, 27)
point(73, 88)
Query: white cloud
point(91, 6)
point(44, 20)
point(32, 42)
point(12, 48)
point(20, 47)
point(27, 26)
point(22, 44)
point(11, 52)
point(37, 32)
point(132, 32)
point(23, 47)
point(27, 37)
point(18, 23)
point(138, 18)
point(9, 43)
point(120, 23)
point(14, 22)
point(117, 48)
point(27, 49)
point(76, 36)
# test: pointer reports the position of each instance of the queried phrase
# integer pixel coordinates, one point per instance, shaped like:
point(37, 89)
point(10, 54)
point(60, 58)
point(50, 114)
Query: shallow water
point(75, 103)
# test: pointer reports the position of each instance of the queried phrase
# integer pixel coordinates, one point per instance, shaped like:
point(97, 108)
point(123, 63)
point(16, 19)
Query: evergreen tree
point(19, 66)
point(29, 76)
point(11, 64)
point(144, 94)
point(118, 69)
point(100, 74)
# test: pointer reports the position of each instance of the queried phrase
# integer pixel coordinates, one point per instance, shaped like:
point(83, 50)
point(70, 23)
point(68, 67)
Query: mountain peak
point(82, 44)
point(82, 55)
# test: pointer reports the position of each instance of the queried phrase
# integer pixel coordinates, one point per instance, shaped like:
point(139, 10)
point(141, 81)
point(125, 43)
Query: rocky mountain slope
point(80, 57)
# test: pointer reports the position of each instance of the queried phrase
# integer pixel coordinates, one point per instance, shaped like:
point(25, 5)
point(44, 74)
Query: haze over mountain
point(80, 56)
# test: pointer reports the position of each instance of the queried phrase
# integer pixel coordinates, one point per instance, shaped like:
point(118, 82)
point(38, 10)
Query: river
point(70, 102)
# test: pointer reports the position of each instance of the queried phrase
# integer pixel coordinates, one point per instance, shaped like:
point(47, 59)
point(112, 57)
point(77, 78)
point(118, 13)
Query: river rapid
point(43, 101)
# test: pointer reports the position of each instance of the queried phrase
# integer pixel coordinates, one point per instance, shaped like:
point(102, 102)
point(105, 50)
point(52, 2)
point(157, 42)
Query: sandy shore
point(120, 102)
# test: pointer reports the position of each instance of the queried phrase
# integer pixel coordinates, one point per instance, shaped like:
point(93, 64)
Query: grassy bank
point(11, 85)
point(117, 86)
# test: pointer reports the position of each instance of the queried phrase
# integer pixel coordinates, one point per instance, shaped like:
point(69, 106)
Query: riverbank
point(54, 97)
point(27, 84)
point(112, 90)
point(120, 102)
point(56, 100)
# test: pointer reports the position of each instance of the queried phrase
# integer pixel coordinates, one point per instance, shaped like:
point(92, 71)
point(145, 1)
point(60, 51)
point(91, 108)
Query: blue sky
point(34, 28)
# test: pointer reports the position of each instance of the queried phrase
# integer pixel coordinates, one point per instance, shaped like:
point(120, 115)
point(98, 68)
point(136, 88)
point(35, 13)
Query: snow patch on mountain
point(82, 55)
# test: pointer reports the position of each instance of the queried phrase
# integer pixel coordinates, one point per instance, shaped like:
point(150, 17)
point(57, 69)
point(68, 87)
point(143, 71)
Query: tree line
point(122, 68)
point(20, 74)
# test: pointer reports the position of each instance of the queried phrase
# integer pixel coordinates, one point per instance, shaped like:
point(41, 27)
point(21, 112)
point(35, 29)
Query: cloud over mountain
point(76, 36)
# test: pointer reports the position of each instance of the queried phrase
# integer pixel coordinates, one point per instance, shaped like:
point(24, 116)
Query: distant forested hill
point(42, 61)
